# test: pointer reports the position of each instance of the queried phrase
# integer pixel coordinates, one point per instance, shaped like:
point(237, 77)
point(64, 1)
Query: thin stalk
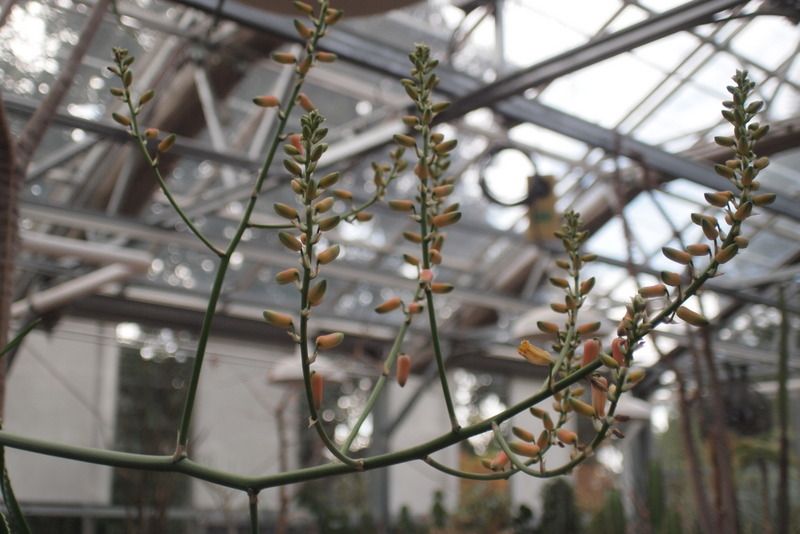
point(253, 501)
point(280, 226)
point(245, 483)
point(305, 307)
point(20, 336)
point(502, 475)
point(426, 263)
point(379, 384)
point(437, 351)
point(205, 330)
point(518, 464)
point(153, 162)
point(183, 432)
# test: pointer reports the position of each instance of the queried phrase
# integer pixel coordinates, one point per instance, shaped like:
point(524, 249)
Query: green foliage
point(439, 514)
point(406, 524)
point(610, 519)
point(656, 500)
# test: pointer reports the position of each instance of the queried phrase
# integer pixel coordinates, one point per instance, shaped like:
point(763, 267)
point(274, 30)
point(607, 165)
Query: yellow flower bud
point(329, 341)
point(534, 354)
point(281, 320)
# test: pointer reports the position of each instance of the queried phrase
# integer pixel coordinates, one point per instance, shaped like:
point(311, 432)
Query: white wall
point(62, 387)
point(526, 489)
point(234, 425)
point(415, 483)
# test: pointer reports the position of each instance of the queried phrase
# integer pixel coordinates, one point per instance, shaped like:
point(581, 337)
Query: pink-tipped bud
point(151, 133)
point(599, 388)
point(691, 317)
point(266, 101)
point(403, 369)
point(296, 140)
point(547, 328)
point(317, 389)
point(581, 407)
point(405, 140)
point(329, 341)
point(591, 350)
point(287, 276)
point(446, 219)
point(499, 462)
point(588, 328)
point(401, 205)
point(328, 255)
point(285, 58)
point(326, 57)
point(543, 440)
point(567, 436)
point(698, 249)
point(523, 434)
point(389, 305)
point(302, 30)
point(426, 275)
point(654, 291)
point(303, 7)
point(547, 421)
point(305, 102)
point(317, 292)
point(167, 142)
point(440, 288)
point(289, 241)
point(413, 237)
point(333, 16)
point(329, 223)
point(281, 320)
point(618, 348)
point(525, 449)
point(121, 119)
point(442, 191)
point(636, 375)
point(414, 308)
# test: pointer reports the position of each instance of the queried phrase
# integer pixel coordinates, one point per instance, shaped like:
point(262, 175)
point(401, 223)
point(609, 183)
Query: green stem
point(515, 461)
point(379, 384)
point(253, 498)
point(161, 182)
point(205, 330)
point(437, 351)
point(502, 475)
point(281, 226)
point(426, 264)
point(20, 336)
point(20, 525)
point(193, 469)
point(305, 308)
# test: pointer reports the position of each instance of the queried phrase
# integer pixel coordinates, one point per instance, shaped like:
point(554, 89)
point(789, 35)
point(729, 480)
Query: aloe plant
point(576, 362)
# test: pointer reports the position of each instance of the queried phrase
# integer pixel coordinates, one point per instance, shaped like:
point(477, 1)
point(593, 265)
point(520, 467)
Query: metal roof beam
point(381, 58)
point(680, 18)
